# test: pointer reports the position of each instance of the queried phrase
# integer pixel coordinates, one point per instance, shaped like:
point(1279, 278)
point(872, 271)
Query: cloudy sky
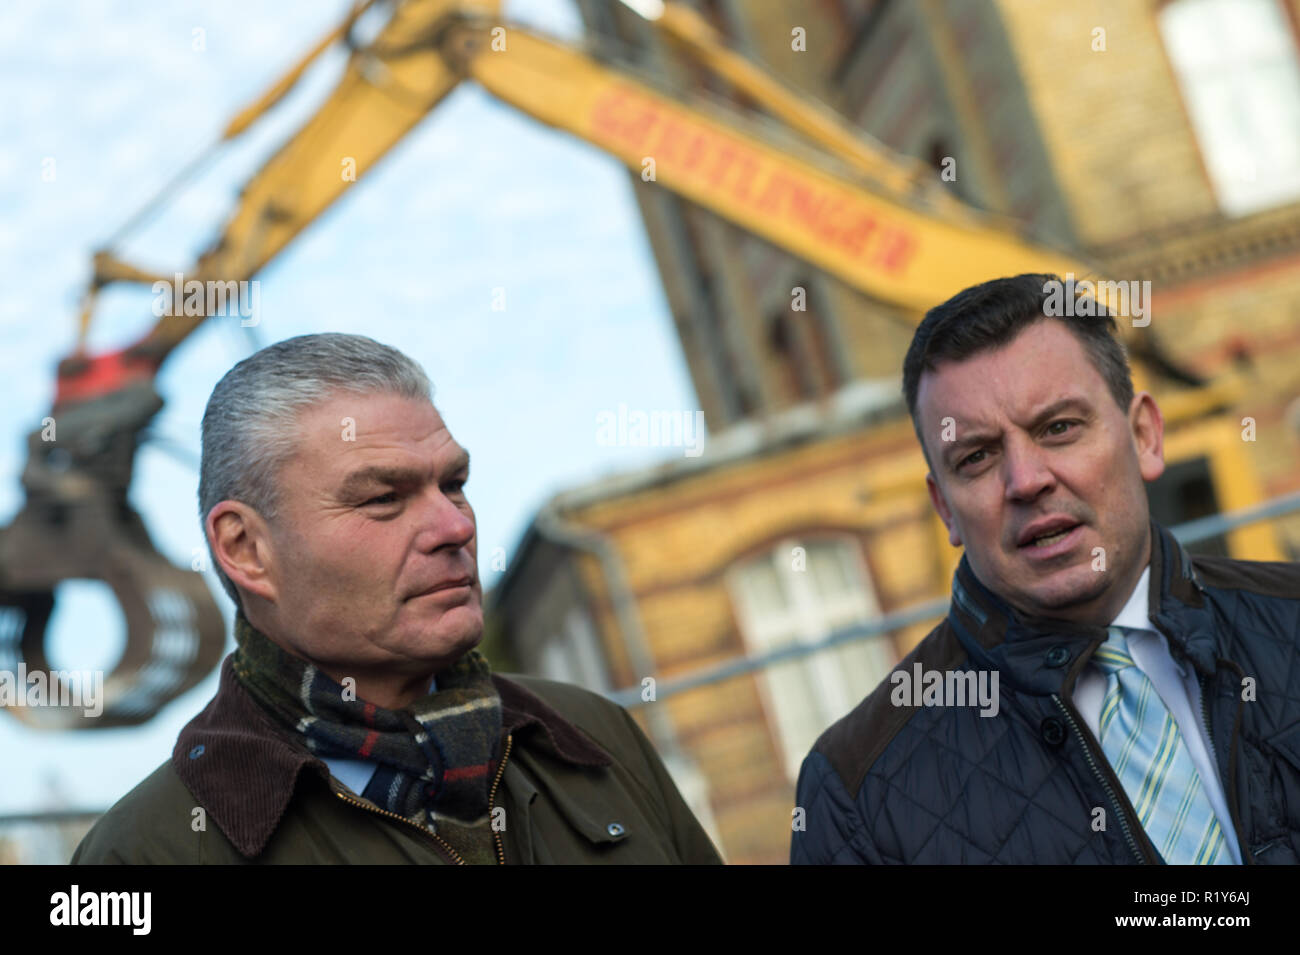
point(479, 197)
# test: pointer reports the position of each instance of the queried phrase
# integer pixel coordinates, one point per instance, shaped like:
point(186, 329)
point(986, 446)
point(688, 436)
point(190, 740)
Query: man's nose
point(443, 522)
point(1026, 470)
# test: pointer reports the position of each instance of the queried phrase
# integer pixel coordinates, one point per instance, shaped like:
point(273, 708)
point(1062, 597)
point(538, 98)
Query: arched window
point(800, 592)
point(1237, 66)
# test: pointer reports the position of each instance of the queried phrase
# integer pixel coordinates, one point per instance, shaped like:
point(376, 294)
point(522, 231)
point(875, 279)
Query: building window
point(1183, 493)
point(800, 343)
point(1236, 62)
point(792, 364)
point(800, 592)
point(573, 654)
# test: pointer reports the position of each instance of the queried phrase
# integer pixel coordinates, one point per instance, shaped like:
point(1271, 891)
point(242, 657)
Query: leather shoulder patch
point(853, 743)
point(1270, 578)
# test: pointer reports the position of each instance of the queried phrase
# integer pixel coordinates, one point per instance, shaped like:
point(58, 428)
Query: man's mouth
point(443, 587)
point(1047, 540)
point(1045, 534)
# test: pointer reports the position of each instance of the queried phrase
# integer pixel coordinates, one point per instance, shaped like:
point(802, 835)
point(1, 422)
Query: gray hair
point(256, 405)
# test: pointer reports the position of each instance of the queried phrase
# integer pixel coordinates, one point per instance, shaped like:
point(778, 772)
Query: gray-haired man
point(357, 722)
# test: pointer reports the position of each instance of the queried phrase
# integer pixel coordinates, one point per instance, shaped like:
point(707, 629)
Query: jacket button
point(1057, 657)
point(196, 752)
point(1053, 731)
point(614, 829)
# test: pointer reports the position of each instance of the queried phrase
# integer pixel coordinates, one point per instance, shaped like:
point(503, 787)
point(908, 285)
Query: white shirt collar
point(1134, 615)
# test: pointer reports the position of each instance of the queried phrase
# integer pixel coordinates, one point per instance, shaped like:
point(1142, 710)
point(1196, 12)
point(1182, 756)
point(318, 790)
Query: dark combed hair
point(991, 314)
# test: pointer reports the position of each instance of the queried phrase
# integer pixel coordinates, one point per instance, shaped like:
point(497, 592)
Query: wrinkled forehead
point(1006, 386)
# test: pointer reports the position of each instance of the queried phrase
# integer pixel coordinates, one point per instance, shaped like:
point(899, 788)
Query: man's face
point(1042, 470)
point(373, 551)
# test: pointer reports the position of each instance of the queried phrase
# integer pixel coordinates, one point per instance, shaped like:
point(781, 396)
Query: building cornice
point(1200, 250)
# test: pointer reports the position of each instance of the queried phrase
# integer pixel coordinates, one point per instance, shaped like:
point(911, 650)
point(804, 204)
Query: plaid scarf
point(436, 757)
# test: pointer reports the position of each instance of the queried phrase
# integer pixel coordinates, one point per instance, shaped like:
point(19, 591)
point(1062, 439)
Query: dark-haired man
point(1147, 710)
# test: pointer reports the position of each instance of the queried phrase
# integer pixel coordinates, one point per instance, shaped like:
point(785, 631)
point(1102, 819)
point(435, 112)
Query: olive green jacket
point(580, 784)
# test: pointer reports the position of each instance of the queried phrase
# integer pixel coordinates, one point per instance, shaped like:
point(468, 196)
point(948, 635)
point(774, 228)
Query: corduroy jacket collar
point(242, 767)
point(1027, 651)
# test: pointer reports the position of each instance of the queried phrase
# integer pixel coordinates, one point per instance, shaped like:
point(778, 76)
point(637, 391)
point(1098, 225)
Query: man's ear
point(241, 544)
point(1147, 425)
point(941, 506)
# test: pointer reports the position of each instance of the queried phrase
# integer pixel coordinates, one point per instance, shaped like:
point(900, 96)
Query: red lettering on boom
point(701, 157)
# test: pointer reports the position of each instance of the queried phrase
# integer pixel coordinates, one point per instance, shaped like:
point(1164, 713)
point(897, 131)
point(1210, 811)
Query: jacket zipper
point(1231, 788)
point(442, 843)
point(1105, 783)
point(1209, 738)
point(501, 849)
point(1205, 713)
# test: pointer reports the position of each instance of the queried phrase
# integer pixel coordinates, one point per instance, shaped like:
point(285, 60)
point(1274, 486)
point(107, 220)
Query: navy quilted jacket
point(943, 784)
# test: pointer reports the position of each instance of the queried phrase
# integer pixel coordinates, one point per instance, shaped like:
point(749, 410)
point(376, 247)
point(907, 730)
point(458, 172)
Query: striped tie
point(1142, 742)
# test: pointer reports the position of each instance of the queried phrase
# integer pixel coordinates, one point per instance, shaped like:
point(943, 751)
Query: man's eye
point(389, 498)
point(1063, 423)
point(455, 487)
point(972, 459)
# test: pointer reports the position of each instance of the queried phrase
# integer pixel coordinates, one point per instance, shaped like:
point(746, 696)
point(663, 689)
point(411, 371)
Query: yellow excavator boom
point(812, 185)
point(825, 192)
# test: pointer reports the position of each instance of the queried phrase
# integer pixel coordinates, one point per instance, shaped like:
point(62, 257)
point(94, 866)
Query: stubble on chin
point(1084, 588)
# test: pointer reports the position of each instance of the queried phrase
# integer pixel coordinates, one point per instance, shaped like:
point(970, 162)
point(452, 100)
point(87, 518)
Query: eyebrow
point(397, 477)
point(982, 437)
